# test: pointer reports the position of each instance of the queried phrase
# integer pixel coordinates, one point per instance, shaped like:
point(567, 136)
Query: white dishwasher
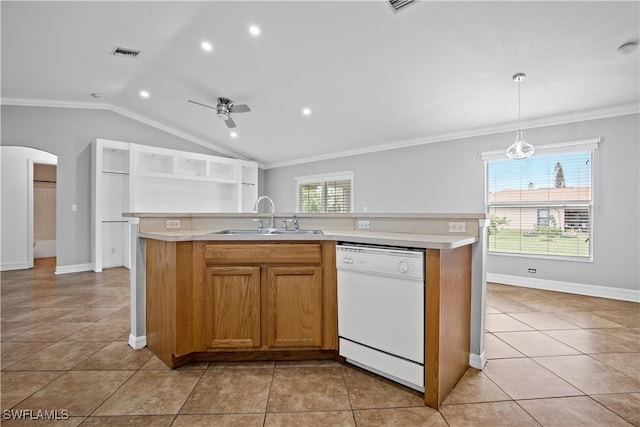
point(381, 310)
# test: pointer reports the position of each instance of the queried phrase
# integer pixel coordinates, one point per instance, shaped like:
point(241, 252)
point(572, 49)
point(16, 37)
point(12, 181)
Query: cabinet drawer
point(263, 253)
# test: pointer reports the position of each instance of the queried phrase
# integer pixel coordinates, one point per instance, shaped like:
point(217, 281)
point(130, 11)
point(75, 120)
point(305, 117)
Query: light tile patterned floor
point(554, 359)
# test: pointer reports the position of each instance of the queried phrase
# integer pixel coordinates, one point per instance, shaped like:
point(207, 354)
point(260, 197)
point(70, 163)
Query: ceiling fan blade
point(242, 108)
point(230, 123)
point(202, 105)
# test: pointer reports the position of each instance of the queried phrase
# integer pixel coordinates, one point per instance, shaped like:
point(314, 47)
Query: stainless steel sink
point(265, 231)
point(297, 232)
point(268, 231)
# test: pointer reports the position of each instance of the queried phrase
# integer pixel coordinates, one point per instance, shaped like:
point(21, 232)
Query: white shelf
point(110, 172)
point(180, 177)
point(115, 160)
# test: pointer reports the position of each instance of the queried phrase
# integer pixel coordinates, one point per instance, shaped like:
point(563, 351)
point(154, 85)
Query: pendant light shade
point(520, 149)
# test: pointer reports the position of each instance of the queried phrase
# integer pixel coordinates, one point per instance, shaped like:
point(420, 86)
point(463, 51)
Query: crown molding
point(123, 112)
point(534, 123)
point(490, 130)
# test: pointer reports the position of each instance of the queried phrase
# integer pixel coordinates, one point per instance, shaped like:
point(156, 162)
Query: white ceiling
point(433, 71)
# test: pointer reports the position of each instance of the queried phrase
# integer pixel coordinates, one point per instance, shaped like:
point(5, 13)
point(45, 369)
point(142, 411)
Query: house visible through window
point(330, 193)
point(542, 205)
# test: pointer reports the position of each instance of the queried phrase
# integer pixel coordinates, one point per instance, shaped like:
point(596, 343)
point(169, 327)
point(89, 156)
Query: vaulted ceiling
point(372, 78)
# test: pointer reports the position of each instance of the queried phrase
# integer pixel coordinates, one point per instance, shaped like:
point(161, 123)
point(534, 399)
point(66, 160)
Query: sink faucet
point(273, 209)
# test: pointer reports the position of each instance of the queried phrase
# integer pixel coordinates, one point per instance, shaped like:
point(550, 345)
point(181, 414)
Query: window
point(543, 217)
point(329, 193)
point(542, 205)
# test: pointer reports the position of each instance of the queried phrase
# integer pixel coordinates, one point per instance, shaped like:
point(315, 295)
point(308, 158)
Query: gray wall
point(449, 177)
point(437, 177)
point(68, 133)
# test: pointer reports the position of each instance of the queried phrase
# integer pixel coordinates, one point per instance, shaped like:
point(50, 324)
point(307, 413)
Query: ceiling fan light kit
point(520, 149)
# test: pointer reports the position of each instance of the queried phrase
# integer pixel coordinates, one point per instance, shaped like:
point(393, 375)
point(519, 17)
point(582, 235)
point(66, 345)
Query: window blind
point(325, 193)
point(542, 205)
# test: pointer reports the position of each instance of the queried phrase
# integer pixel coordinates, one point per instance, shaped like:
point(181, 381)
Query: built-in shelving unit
point(139, 178)
point(110, 195)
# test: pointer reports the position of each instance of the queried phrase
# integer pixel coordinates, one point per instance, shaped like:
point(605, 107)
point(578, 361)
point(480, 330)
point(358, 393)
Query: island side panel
point(329, 297)
point(432, 329)
point(455, 316)
point(185, 279)
point(447, 316)
point(169, 296)
point(160, 298)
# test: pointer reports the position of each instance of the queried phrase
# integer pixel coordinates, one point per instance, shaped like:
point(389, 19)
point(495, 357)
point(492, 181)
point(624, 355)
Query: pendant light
point(520, 149)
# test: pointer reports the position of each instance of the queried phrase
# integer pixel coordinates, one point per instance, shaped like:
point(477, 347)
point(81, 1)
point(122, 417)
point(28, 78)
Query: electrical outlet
point(363, 223)
point(173, 223)
point(457, 227)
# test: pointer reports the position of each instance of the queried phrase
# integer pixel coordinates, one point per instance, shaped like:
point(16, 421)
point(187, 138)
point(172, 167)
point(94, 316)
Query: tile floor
point(554, 359)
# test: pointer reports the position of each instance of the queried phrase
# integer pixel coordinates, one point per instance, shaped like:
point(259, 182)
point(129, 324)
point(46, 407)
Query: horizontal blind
point(541, 205)
point(325, 194)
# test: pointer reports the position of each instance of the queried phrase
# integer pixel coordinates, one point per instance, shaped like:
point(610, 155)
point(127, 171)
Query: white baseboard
point(76, 268)
point(14, 266)
point(478, 360)
point(569, 287)
point(137, 343)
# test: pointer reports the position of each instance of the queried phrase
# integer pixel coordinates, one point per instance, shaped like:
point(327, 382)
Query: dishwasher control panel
point(389, 261)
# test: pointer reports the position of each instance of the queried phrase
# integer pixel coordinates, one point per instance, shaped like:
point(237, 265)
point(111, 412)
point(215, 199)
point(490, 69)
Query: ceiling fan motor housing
point(223, 108)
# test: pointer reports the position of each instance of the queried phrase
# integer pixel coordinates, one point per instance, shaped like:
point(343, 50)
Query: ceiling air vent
point(396, 5)
point(125, 51)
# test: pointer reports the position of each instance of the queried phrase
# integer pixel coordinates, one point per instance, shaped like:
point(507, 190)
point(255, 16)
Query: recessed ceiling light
point(254, 30)
point(306, 111)
point(233, 134)
point(206, 46)
point(144, 94)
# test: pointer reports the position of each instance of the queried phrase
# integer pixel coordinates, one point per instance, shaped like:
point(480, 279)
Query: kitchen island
point(210, 296)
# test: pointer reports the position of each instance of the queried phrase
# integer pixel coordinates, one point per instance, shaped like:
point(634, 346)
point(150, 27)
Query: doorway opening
point(44, 212)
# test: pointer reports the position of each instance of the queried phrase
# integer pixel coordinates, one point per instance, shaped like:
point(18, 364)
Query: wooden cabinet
point(241, 301)
point(289, 297)
point(231, 307)
point(294, 306)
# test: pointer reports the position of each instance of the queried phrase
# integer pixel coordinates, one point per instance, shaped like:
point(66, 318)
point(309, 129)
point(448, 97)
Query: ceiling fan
point(224, 108)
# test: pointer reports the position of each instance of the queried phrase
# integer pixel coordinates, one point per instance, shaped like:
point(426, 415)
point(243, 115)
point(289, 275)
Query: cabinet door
point(231, 307)
point(294, 306)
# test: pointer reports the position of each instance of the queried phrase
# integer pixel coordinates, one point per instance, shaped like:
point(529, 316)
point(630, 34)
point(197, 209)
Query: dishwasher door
point(384, 313)
point(381, 312)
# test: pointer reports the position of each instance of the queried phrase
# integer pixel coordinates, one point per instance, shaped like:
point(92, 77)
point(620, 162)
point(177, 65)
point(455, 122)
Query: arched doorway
point(27, 181)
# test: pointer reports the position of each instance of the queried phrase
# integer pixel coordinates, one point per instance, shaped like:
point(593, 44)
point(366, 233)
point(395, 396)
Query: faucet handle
point(293, 220)
point(259, 220)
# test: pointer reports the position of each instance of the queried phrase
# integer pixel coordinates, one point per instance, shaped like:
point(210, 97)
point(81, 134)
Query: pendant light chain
point(519, 127)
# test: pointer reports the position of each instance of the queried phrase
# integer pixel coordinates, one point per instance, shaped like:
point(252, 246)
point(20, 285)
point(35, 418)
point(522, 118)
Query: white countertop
point(427, 241)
